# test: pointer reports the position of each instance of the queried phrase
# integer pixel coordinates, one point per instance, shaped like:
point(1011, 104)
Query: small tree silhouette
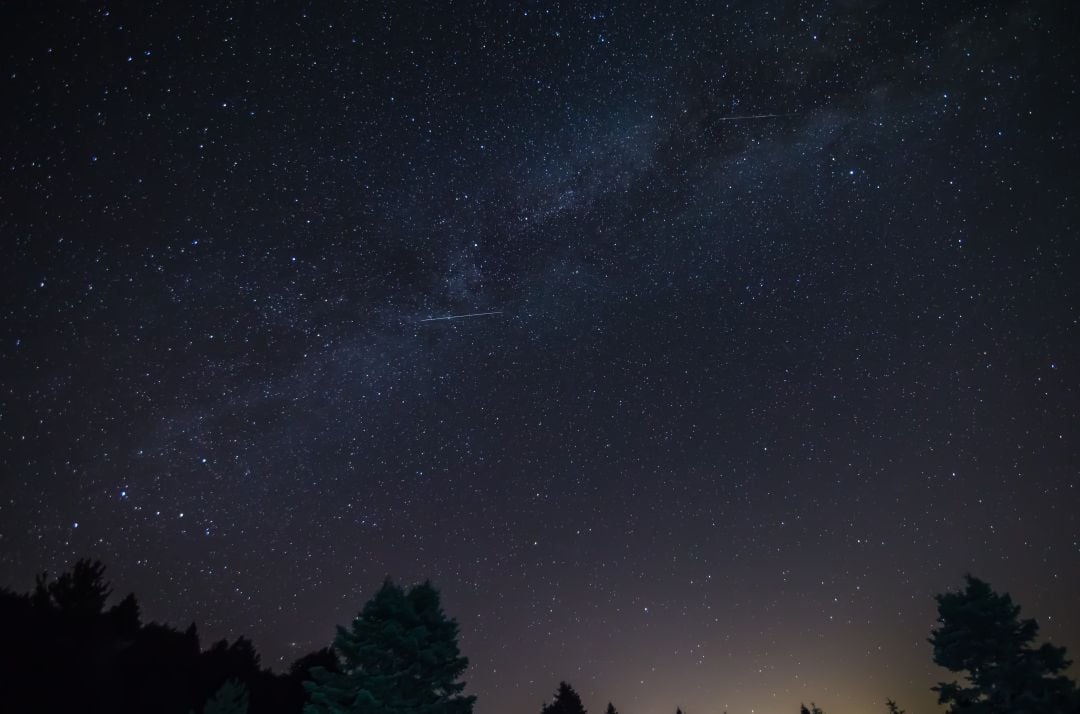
point(81, 593)
point(566, 701)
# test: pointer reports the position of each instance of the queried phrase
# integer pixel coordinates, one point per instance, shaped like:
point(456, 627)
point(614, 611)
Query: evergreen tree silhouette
point(400, 656)
point(610, 709)
point(812, 710)
point(230, 698)
point(566, 701)
point(893, 708)
point(80, 593)
point(980, 632)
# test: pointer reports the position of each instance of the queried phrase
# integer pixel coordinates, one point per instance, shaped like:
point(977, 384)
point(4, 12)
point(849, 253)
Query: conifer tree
point(400, 656)
point(980, 633)
point(566, 701)
point(610, 709)
point(81, 593)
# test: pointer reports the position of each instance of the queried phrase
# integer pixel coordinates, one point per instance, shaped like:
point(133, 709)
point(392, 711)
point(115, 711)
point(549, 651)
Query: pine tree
point(566, 701)
point(892, 707)
point(610, 709)
point(231, 698)
point(400, 656)
point(979, 632)
point(812, 710)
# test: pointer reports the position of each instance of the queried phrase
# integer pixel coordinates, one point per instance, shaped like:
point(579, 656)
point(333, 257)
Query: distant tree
point(230, 698)
point(610, 709)
point(812, 710)
point(678, 710)
point(400, 656)
point(979, 633)
point(893, 708)
point(238, 660)
point(566, 701)
point(124, 617)
point(82, 592)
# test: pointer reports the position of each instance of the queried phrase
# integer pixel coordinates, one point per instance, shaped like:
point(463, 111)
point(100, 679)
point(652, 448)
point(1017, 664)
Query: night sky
point(784, 335)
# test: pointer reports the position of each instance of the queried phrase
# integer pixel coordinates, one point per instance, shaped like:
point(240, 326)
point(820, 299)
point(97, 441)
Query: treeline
point(65, 651)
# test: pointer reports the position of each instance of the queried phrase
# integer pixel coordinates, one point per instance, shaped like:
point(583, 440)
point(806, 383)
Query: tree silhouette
point(812, 710)
point(610, 709)
point(80, 593)
point(979, 632)
point(892, 707)
point(399, 657)
point(66, 651)
point(566, 701)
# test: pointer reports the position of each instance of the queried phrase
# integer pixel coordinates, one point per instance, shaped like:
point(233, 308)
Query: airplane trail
point(458, 317)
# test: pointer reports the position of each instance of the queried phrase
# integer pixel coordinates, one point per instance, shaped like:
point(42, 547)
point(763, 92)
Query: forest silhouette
point(66, 650)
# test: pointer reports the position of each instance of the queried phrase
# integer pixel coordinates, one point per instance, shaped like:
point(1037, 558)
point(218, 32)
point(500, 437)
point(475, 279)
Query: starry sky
point(784, 341)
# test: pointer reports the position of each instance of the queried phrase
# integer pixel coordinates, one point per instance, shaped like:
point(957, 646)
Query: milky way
point(781, 334)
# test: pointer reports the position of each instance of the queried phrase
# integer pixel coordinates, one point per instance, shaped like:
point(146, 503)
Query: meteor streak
point(753, 116)
point(459, 317)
